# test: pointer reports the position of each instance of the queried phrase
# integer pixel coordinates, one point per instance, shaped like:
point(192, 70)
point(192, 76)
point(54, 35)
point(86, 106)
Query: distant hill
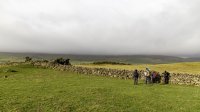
point(132, 59)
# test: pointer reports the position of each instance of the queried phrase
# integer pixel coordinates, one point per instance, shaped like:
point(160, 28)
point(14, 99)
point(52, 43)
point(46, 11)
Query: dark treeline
point(110, 62)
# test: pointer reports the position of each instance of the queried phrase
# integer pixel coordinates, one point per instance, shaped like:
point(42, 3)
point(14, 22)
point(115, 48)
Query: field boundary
point(176, 78)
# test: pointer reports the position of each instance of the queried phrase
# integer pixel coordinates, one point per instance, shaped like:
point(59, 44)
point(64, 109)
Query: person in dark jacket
point(153, 77)
point(166, 77)
point(135, 76)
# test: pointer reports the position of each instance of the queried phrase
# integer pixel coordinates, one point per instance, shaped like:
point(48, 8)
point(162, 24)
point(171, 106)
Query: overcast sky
point(167, 27)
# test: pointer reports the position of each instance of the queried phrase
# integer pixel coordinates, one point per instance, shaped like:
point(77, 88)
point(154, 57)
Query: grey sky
point(169, 27)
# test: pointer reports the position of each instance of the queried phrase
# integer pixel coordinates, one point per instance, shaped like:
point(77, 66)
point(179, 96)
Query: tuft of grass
point(10, 70)
point(35, 89)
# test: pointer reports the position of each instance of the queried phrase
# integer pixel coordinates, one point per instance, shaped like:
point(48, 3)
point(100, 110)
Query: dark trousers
point(166, 80)
point(148, 80)
point(135, 80)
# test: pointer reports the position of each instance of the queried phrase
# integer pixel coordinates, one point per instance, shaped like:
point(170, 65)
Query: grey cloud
point(168, 27)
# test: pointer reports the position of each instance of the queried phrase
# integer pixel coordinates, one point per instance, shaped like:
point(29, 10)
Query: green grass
point(34, 89)
point(186, 67)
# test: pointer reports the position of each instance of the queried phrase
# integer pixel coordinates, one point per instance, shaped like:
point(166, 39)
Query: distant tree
point(46, 61)
point(109, 62)
point(28, 59)
point(62, 61)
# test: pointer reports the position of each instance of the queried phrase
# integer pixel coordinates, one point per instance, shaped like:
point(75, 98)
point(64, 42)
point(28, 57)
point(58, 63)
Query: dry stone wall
point(181, 79)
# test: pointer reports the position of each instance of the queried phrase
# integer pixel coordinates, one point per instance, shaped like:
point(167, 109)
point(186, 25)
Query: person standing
point(135, 76)
point(147, 74)
point(158, 79)
point(147, 77)
point(166, 77)
point(154, 77)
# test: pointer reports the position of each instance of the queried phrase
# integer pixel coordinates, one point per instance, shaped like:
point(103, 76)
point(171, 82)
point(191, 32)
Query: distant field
point(189, 67)
point(10, 59)
point(34, 89)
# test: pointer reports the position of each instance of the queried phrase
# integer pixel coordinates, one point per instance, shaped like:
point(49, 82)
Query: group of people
point(151, 76)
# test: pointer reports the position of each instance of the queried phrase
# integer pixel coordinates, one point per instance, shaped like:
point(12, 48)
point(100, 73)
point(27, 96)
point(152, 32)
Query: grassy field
point(10, 59)
point(34, 89)
point(189, 67)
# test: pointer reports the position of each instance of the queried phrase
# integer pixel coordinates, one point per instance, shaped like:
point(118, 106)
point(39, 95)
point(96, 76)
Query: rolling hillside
point(132, 59)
